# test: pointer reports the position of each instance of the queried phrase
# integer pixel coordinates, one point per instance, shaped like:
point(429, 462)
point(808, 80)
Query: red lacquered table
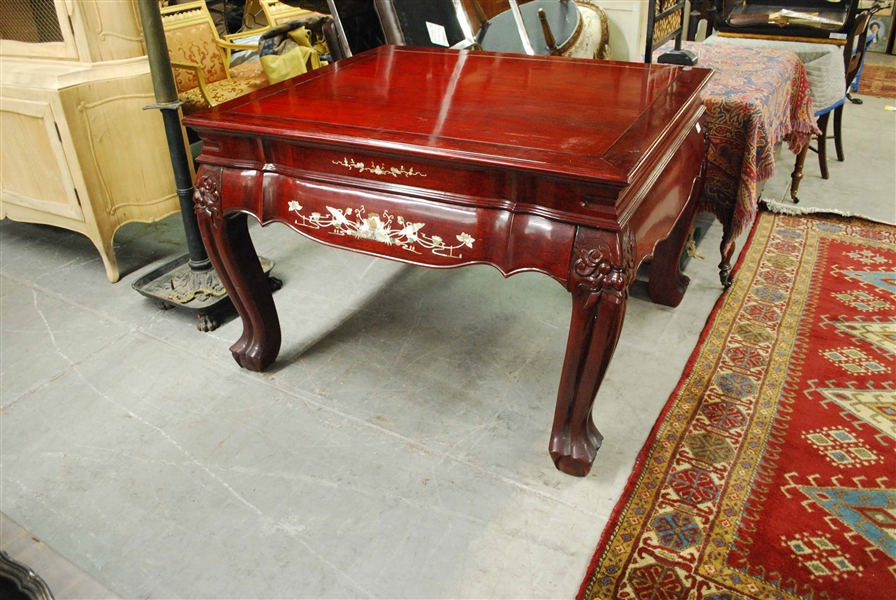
point(577, 169)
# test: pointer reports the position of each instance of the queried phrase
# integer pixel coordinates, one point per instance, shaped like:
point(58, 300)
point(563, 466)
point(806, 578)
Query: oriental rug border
point(692, 511)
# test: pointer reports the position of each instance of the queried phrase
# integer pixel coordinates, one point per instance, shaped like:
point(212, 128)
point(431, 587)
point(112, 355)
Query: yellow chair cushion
point(247, 70)
point(221, 91)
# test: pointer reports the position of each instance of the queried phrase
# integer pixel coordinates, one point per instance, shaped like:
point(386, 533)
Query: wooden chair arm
point(230, 37)
point(200, 78)
point(233, 46)
point(228, 47)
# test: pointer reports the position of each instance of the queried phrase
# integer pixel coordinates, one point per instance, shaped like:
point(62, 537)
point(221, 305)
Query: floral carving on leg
point(599, 271)
point(207, 198)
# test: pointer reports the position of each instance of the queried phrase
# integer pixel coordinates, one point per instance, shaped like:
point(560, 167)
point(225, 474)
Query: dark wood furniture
point(444, 159)
point(665, 21)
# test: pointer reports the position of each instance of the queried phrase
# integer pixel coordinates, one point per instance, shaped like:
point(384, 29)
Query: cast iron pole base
point(176, 285)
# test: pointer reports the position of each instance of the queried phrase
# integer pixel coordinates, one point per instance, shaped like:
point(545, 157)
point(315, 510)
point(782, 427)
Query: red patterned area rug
point(771, 472)
point(878, 80)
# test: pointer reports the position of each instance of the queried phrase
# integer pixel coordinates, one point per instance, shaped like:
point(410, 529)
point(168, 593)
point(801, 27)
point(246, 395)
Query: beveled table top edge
point(602, 169)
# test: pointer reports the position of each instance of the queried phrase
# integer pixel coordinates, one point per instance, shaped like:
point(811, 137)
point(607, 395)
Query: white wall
point(628, 27)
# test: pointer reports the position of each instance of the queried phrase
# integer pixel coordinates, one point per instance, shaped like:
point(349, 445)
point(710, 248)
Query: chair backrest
point(854, 51)
point(665, 21)
point(192, 37)
point(278, 13)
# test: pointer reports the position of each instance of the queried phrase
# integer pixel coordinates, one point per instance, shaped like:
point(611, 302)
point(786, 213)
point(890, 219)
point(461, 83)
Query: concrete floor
point(397, 448)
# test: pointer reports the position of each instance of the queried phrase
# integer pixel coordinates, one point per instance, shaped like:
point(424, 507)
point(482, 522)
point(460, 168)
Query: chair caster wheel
point(275, 283)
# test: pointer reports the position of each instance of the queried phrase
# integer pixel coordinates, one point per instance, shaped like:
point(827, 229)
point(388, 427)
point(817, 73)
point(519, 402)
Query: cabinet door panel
point(33, 168)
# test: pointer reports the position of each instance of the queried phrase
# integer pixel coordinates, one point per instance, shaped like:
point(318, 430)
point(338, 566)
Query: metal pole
point(166, 100)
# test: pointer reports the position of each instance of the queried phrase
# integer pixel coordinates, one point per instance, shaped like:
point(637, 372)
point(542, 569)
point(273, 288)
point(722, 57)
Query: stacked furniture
point(200, 58)
point(79, 151)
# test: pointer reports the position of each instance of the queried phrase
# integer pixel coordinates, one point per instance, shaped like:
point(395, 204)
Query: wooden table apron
point(440, 211)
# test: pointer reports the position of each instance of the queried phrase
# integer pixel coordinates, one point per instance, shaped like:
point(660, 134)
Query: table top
point(583, 118)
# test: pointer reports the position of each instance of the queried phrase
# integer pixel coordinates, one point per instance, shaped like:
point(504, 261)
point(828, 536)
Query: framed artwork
point(879, 32)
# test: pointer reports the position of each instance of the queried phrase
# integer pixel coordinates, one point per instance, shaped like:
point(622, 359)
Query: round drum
point(579, 27)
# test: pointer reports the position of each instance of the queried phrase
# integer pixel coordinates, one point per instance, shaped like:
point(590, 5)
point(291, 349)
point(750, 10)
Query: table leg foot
point(233, 255)
point(575, 457)
point(599, 280)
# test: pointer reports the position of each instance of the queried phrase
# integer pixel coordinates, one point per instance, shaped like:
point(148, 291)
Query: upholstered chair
point(200, 58)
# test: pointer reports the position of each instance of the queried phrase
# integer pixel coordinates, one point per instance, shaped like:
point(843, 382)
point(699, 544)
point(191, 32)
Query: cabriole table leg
point(232, 253)
point(599, 280)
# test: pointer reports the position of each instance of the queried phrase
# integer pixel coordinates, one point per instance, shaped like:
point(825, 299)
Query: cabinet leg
point(233, 255)
point(110, 262)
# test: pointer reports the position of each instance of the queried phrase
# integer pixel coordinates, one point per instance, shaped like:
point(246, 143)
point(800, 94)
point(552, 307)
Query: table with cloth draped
point(824, 66)
point(756, 98)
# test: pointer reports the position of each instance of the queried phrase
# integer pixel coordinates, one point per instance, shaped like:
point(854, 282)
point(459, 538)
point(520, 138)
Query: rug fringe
point(792, 210)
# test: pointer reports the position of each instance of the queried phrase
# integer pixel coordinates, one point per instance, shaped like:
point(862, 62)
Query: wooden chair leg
point(797, 174)
point(838, 138)
point(822, 145)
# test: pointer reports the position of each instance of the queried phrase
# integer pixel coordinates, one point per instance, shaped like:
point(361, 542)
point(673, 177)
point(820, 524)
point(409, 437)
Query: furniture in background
point(787, 20)
point(853, 62)
point(467, 168)
point(200, 59)
point(277, 13)
point(825, 72)
point(571, 28)
point(79, 151)
point(356, 22)
point(827, 67)
point(411, 23)
point(756, 98)
point(665, 22)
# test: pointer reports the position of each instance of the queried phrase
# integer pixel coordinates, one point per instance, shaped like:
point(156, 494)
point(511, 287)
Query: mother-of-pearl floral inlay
point(358, 223)
point(378, 169)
